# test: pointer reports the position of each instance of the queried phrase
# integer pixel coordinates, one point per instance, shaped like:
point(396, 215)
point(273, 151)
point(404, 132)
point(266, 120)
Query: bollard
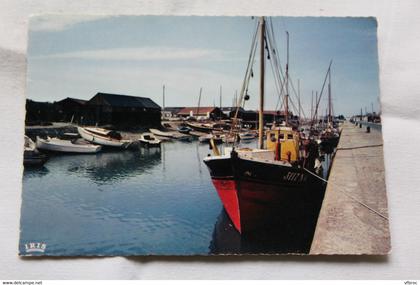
point(368, 129)
point(360, 125)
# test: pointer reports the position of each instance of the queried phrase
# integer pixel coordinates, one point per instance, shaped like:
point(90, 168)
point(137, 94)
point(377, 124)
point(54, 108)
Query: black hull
point(265, 194)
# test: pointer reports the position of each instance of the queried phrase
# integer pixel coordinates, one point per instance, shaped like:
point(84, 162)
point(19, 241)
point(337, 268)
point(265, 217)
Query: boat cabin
point(284, 142)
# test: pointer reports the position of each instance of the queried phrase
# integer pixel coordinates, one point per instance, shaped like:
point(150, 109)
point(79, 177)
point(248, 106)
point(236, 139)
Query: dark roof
point(118, 100)
point(78, 101)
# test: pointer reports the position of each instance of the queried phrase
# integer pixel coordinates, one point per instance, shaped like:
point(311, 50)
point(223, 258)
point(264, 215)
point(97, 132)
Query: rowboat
point(31, 156)
point(103, 137)
point(58, 145)
point(171, 135)
point(184, 129)
point(149, 139)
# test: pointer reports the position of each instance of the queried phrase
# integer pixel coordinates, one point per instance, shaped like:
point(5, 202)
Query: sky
point(78, 56)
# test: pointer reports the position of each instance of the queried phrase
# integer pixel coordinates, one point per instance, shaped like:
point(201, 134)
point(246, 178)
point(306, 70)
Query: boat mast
point(163, 103)
point(199, 100)
point(316, 108)
point(220, 102)
point(261, 112)
point(287, 82)
point(329, 97)
point(299, 99)
point(312, 107)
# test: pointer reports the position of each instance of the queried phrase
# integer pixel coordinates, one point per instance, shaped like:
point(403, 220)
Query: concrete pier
point(354, 215)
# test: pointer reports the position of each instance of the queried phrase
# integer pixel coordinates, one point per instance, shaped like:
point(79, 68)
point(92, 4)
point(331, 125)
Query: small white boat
point(103, 137)
point(58, 145)
point(149, 139)
point(171, 135)
point(161, 134)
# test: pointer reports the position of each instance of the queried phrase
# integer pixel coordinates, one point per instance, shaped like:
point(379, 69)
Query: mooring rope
point(348, 195)
point(357, 147)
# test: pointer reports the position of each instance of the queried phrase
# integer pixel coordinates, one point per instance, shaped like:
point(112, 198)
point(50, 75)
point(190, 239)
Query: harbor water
point(157, 201)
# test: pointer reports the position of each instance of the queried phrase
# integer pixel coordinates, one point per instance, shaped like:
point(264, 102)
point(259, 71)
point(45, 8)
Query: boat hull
point(257, 194)
point(149, 143)
point(68, 147)
point(101, 140)
point(33, 158)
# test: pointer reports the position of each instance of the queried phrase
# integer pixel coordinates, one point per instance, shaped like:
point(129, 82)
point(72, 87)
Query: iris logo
point(35, 247)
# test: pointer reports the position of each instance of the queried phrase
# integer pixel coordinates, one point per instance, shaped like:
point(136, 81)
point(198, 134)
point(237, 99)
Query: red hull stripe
point(226, 189)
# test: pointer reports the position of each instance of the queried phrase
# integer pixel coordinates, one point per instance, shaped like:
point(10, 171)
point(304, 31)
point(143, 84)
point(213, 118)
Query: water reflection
point(101, 168)
point(33, 172)
point(293, 236)
point(108, 167)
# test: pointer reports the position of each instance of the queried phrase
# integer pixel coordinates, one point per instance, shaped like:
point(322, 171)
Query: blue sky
point(78, 56)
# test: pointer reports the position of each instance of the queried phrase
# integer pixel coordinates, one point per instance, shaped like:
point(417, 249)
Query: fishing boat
point(31, 156)
point(149, 139)
point(103, 137)
point(73, 146)
point(275, 184)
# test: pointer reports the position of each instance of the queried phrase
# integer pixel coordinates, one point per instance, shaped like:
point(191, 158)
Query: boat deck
point(354, 216)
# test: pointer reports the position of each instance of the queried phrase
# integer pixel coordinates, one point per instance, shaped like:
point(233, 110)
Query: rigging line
point(348, 195)
point(322, 90)
point(277, 80)
point(295, 93)
point(246, 78)
point(279, 71)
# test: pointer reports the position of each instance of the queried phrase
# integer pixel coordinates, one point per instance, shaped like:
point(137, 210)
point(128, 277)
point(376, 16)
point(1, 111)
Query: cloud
point(60, 22)
point(143, 54)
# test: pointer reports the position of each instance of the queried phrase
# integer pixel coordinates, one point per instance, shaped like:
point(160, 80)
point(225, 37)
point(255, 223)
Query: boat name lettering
point(294, 177)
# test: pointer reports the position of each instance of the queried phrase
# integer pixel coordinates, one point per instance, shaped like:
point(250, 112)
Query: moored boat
point(201, 127)
point(170, 135)
point(149, 139)
point(275, 184)
point(65, 146)
point(31, 156)
point(103, 137)
point(184, 129)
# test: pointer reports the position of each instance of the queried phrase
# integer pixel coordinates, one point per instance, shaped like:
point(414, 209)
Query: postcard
point(194, 135)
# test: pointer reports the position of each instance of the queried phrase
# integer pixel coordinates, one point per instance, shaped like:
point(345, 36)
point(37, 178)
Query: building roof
point(75, 100)
point(118, 100)
point(201, 110)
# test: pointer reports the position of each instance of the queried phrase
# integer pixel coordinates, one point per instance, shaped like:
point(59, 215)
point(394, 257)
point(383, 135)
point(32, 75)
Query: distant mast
point(312, 107)
point(163, 103)
point(299, 100)
point(261, 111)
point(286, 105)
point(220, 103)
point(199, 100)
point(329, 98)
